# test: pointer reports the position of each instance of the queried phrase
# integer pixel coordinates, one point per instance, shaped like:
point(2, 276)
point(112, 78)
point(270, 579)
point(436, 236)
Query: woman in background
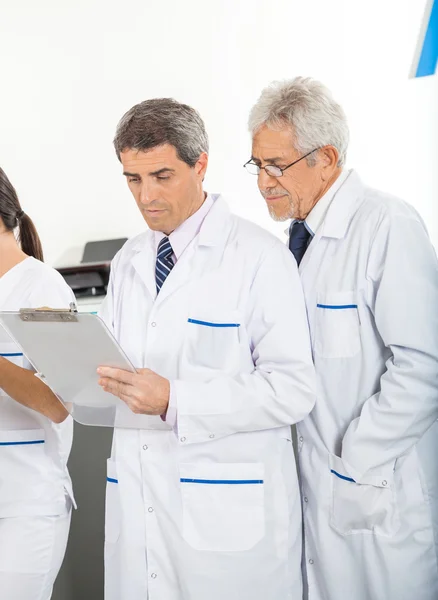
point(35, 429)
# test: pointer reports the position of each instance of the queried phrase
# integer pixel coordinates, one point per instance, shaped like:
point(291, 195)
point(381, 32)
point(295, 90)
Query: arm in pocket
point(368, 506)
point(403, 275)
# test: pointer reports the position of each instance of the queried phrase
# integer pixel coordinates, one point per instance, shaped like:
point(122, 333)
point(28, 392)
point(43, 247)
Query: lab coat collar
point(213, 233)
point(215, 225)
point(203, 254)
point(343, 207)
point(143, 260)
point(338, 217)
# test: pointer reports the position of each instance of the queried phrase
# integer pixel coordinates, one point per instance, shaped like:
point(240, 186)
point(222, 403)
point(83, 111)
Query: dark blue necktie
point(164, 263)
point(298, 240)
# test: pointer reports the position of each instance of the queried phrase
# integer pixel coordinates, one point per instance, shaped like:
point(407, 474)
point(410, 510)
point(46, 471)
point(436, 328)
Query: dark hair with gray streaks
point(162, 121)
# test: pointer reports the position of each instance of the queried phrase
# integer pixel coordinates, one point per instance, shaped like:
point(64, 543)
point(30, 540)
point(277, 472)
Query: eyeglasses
point(273, 170)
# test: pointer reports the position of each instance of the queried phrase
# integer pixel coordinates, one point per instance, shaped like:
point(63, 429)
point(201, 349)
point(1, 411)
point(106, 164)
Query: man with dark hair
point(202, 497)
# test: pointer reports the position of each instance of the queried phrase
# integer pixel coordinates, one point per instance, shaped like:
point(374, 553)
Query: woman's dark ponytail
point(12, 216)
point(29, 238)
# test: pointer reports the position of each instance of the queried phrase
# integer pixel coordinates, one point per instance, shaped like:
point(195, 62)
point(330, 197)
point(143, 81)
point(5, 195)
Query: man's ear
point(201, 165)
point(329, 158)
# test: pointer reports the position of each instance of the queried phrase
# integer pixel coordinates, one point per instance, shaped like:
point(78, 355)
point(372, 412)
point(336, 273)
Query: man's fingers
point(118, 374)
point(128, 401)
point(117, 388)
point(134, 405)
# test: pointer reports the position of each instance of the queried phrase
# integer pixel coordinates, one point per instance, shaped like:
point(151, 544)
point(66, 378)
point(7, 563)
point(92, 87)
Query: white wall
point(71, 68)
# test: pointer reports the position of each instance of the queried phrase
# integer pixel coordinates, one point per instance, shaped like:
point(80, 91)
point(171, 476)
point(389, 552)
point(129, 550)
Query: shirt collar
point(188, 230)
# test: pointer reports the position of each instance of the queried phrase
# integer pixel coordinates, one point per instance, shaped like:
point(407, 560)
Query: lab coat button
point(153, 575)
point(384, 483)
point(306, 499)
point(301, 438)
point(211, 436)
point(311, 561)
point(153, 324)
point(145, 447)
point(150, 509)
point(183, 439)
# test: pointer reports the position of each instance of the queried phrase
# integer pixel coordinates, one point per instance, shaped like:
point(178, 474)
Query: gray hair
point(162, 121)
point(308, 108)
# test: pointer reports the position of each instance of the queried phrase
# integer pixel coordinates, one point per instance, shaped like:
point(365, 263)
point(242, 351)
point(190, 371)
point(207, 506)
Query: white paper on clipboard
point(66, 348)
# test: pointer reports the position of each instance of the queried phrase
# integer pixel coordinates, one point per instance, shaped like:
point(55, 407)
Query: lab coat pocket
point(112, 505)
point(223, 505)
point(337, 325)
point(25, 474)
point(368, 507)
point(213, 339)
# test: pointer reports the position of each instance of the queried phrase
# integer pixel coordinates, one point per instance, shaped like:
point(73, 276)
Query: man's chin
point(153, 224)
point(277, 216)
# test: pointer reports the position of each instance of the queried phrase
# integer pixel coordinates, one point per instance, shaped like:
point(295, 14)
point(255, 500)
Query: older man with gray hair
point(369, 450)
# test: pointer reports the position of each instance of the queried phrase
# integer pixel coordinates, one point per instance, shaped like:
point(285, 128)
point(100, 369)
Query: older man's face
point(295, 193)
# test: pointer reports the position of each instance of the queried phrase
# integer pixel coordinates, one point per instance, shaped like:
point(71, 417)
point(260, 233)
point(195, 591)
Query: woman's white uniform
point(35, 487)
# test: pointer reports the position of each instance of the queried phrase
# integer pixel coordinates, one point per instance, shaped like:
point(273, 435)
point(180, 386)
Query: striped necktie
point(164, 262)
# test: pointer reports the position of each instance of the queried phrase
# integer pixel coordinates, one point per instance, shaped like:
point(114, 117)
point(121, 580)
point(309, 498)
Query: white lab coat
point(371, 285)
point(35, 487)
point(175, 529)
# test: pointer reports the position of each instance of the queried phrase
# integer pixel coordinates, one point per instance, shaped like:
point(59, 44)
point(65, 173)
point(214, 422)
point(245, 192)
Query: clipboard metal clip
point(49, 314)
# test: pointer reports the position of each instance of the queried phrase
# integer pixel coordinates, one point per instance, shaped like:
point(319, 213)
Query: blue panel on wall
point(429, 51)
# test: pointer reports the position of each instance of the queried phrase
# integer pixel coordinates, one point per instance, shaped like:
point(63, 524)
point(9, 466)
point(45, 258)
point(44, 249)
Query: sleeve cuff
point(170, 416)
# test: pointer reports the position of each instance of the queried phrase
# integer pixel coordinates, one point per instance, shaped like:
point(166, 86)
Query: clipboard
point(65, 348)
